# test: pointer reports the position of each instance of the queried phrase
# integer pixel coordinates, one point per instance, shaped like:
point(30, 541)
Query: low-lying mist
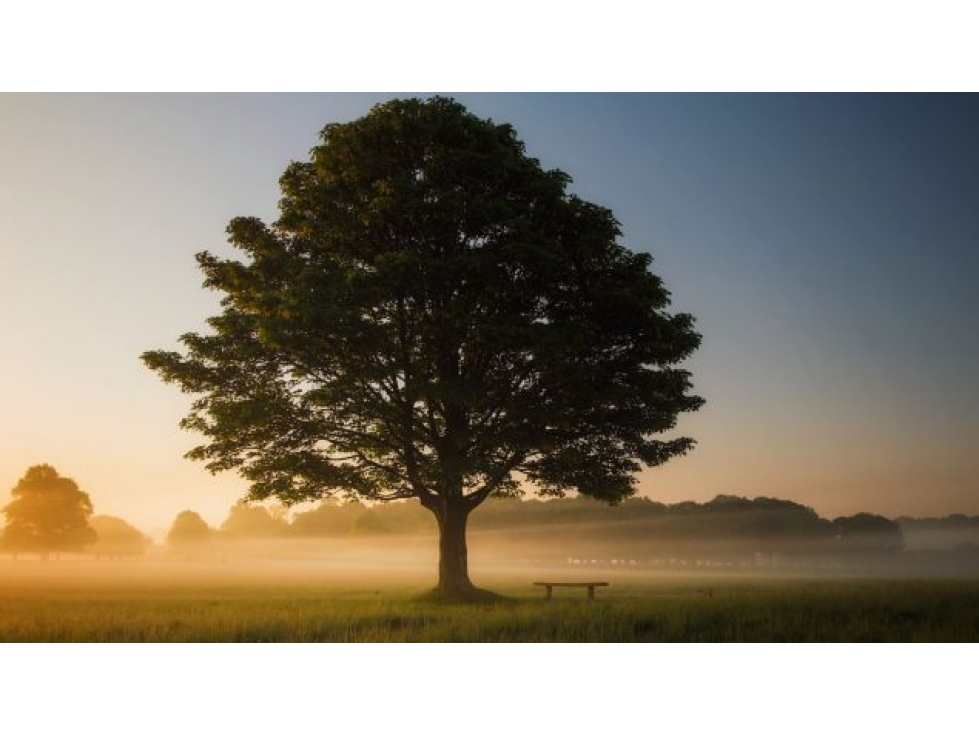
point(528, 540)
point(551, 554)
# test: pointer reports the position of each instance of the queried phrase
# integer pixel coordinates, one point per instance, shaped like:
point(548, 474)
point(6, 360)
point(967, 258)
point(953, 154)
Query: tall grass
point(766, 610)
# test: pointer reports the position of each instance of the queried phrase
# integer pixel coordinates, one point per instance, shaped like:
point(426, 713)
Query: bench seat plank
point(549, 586)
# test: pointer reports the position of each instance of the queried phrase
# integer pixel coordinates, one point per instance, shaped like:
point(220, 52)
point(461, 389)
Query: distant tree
point(329, 518)
point(117, 538)
point(253, 521)
point(766, 519)
point(866, 532)
point(189, 532)
point(369, 522)
point(406, 517)
point(946, 532)
point(48, 514)
point(433, 315)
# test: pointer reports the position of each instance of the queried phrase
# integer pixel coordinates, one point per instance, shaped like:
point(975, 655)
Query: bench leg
point(591, 593)
point(547, 594)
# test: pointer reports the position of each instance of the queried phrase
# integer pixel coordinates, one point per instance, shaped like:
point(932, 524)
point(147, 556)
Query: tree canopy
point(49, 513)
point(434, 316)
point(867, 531)
point(253, 521)
point(189, 531)
point(117, 538)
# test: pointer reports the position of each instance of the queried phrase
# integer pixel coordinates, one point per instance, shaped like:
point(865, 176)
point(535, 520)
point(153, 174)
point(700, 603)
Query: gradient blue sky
point(827, 244)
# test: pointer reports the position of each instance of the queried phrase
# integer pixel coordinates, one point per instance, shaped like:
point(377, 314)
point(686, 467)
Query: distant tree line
point(49, 514)
point(952, 532)
point(726, 524)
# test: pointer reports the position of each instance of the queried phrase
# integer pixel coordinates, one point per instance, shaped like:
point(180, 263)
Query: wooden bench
point(549, 585)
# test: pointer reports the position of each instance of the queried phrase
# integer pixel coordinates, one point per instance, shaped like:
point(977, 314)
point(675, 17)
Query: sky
point(828, 246)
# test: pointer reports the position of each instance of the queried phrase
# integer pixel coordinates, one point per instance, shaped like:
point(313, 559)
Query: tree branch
point(498, 477)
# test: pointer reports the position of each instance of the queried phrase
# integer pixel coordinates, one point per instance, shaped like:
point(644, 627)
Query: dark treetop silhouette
point(431, 315)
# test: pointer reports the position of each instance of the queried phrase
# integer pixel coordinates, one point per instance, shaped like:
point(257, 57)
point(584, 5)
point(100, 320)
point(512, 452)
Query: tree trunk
point(451, 515)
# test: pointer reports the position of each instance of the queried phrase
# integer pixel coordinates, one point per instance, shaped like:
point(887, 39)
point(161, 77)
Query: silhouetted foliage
point(334, 519)
point(253, 521)
point(730, 529)
point(48, 514)
point(188, 532)
point(767, 523)
point(117, 538)
point(328, 519)
point(431, 313)
point(866, 532)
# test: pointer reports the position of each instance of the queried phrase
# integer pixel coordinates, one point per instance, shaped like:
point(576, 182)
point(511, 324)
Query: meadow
point(140, 601)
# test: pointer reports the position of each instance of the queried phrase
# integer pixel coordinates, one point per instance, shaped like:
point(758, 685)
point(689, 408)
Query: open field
point(296, 601)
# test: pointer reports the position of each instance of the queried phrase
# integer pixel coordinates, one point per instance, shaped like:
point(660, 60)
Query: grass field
point(140, 602)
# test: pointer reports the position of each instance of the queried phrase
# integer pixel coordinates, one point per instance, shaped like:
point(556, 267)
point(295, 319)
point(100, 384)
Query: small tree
point(433, 316)
point(189, 532)
point(48, 514)
point(117, 538)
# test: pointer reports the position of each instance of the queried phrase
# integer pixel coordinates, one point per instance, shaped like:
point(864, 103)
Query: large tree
point(434, 316)
point(48, 514)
